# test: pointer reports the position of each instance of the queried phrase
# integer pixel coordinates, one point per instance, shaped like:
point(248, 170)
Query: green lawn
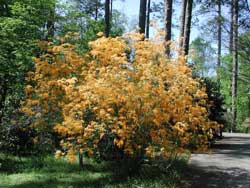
point(52, 173)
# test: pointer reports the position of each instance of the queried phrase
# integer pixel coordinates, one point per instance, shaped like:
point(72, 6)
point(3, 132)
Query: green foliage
point(92, 9)
point(201, 56)
point(20, 26)
point(226, 78)
point(119, 23)
point(243, 99)
point(246, 125)
point(217, 106)
point(76, 19)
point(15, 139)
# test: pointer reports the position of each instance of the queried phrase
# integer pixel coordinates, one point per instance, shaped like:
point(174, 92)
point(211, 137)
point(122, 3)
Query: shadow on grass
point(86, 179)
point(60, 174)
point(103, 181)
point(11, 164)
point(8, 165)
point(60, 183)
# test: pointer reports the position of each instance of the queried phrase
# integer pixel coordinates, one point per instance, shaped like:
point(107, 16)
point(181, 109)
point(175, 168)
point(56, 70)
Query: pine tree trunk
point(235, 65)
point(142, 16)
point(187, 29)
point(111, 10)
point(248, 103)
point(148, 19)
point(107, 17)
point(219, 39)
point(96, 10)
point(182, 21)
point(168, 24)
point(231, 30)
point(51, 23)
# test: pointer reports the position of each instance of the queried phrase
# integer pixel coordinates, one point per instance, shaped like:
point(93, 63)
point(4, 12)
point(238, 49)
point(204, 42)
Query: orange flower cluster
point(123, 94)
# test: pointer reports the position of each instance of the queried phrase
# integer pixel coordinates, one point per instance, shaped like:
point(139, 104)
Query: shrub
point(122, 100)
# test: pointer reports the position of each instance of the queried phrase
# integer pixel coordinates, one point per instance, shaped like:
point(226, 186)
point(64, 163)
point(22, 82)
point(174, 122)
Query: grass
point(51, 173)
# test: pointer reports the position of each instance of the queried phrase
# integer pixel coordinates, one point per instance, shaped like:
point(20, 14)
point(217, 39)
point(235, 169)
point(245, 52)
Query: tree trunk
point(247, 5)
point(80, 158)
point(148, 19)
point(142, 16)
point(168, 23)
point(107, 17)
point(182, 26)
point(231, 30)
point(4, 92)
point(187, 30)
point(219, 22)
point(235, 65)
point(111, 10)
point(96, 10)
point(51, 22)
point(50, 28)
point(248, 106)
point(248, 114)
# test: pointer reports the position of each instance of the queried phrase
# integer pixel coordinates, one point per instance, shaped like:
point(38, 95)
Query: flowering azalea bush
point(123, 99)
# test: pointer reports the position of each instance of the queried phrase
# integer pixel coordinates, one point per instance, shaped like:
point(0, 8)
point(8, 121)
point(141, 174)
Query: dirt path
point(228, 165)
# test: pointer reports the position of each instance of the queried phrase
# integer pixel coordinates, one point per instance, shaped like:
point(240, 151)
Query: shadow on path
point(216, 177)
point(228, 165)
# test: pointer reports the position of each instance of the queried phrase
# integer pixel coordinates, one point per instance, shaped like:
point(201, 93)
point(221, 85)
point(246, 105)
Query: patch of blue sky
point(131, 9)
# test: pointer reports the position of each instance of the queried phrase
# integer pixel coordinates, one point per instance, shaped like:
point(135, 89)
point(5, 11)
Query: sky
point(131, 9)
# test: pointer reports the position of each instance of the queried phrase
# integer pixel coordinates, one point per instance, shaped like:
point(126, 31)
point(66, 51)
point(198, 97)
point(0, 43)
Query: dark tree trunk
point(231, 30)
point(187, 30)
point(235, 65)
point(107, 17)
point(96, 10)
point(4, 92)
point(50, 27)
point(168, 24)
point(219, 22)
point(248, 103)
point(182, 26)
point(142, 16)
point(148, 19)
point(80, 158)
point(51, 22)
point(111, 10)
